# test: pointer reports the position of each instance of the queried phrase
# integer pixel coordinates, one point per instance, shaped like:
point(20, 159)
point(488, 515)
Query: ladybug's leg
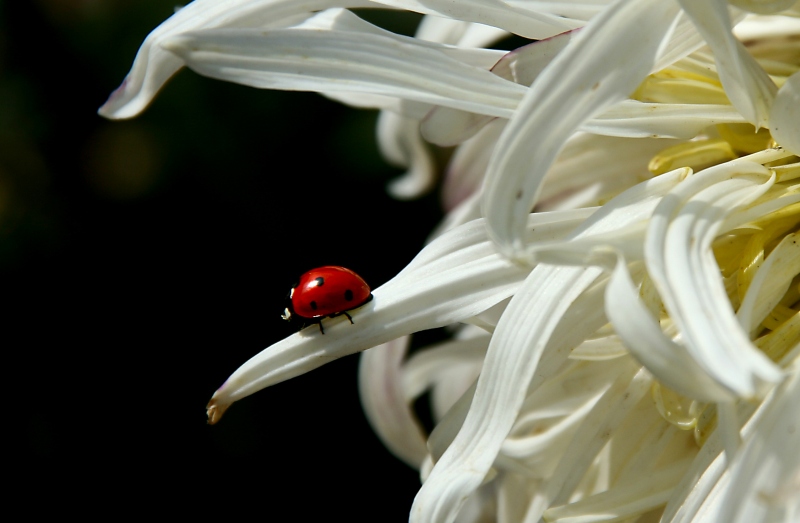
point(348, 317)
point(320, 326)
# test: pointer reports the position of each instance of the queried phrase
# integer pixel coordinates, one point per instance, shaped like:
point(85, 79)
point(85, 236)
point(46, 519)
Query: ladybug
point(326, 292)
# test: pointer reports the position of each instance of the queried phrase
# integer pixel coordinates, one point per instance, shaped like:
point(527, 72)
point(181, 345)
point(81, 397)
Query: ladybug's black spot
point(313, 305)
point(320, 281)
point(348, 295)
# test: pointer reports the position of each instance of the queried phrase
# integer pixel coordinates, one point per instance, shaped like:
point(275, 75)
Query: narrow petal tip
point(108, 109)
point(215, 410)
point(124, 103)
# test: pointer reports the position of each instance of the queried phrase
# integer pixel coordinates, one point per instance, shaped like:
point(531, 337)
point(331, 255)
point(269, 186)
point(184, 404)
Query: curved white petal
point(784, 123)
point(621, 501)
point(764, 480)
point(551, 415)
point(683, 269)
point(756, 27)
point(524, 64)
point(401, 139)
point(421, 371)
point(606, 417)
point(380, 387)
point(458, 32)
point(584, 317)
point(349, 58)
point(748, 86)
point(400, 143)
point(153, 66)
point(761, 483)
point(510, 362)
point(684, 40)
point(669, 362)
point(628, 119)
point(407, 108)
point(634, 119)
point(692, 490)
point(446, 126)
point(467, 167)
point(611, 164)
point(514, 352)
point(455, 277)
point(576, 9)
point(531, 24)
point(770, 283)
point(600, 349)
point(578, 84)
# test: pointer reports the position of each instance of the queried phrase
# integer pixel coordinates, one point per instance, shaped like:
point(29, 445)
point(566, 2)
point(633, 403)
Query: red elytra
point(327, 291)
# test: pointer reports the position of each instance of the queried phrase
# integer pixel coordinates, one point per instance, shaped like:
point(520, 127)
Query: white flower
point(632, 347)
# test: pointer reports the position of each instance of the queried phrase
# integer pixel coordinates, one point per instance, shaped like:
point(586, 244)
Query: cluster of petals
point(628, 351)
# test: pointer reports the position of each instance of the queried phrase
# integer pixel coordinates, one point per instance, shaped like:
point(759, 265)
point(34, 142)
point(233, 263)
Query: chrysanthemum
point(629, 351)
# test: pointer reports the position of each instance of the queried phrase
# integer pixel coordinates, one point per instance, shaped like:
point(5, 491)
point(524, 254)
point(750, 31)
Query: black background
point(143, 261)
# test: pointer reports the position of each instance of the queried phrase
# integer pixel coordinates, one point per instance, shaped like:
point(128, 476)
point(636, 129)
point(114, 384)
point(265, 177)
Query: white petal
point(747, 85)
point(761, 484)
point(784, 123)
point(400, 143)
point(408, 137)
point(693, 489)
point(153, 65)
point(765, 476)
point(634, 119)
point(770, 283)
point(453, 384)
point(381, 389)
point(446, 126)
point(500, 389)
point(458, 32)
point(579, 83)
point(583, 318)
point(608, 414)
point(610, 164)
point(621, 501)
point(683, 269)
point(407, 108)
point(524, 22)
point(669, 362)
point(577, 9)
point(629, 119)
point(683, 41)
point(600, 349)
point(432, 291)
point(524, 64)
point(755, 27)
point(421, 371)
point(346, 57)
point(552, 414)
point(467, 167)
point(514, 352)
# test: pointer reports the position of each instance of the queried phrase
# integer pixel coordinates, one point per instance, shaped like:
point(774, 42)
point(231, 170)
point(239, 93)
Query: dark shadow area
point(143, 261)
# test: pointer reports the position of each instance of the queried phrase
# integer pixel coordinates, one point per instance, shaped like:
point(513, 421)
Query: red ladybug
point(326, 292)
